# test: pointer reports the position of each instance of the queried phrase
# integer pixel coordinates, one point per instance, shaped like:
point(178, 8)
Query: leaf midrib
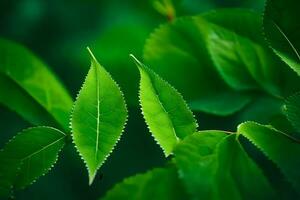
point(98, 111)
point(162, 106)
point(43, 148)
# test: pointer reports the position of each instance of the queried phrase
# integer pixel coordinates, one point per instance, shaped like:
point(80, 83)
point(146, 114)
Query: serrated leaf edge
point(262, 149)
point(20, 162)
point(141, 106)
point(91, 178)
point(287, 102)
point(161, 27)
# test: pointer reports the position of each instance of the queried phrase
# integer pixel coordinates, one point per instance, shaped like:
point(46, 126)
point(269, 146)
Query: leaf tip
point(92, 176)
point(136, 61)
point(241, 127)
point(91, 53)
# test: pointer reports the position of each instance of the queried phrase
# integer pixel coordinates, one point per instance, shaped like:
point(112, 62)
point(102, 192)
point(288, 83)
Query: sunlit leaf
point(98, 118)
point(164, 109)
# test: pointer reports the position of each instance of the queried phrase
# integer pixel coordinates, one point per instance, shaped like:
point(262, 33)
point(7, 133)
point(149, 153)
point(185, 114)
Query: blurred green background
point(58, 32)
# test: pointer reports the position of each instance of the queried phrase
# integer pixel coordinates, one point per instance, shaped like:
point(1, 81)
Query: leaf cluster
point(224, 62)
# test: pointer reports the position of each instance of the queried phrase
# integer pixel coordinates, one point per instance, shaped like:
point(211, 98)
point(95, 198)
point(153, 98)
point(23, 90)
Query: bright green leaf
point(293, 110)
point(29, 155)
point(177, 52)
point(158, 184)
point(281, 27)
point(164, 109)
point(29, 75)
point(98, 118)
point(280, 148)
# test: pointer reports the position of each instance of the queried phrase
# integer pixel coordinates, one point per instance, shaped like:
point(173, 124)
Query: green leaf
point(177, 51)
point(242, 178)
point(29, 155)
point(215, 166)
point(196, 159)
point(278, 147)
point(240, 53)
point(16, 99)
point(226, 50)
point(229, 102)
point(164, 109)
point(8, 169)
point(158, 184)
point(98, 118)
point(293, 110)
point(282, 30)
point(31, 80)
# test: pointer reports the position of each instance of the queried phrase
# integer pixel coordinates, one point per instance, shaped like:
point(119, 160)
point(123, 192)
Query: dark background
point(58, 32)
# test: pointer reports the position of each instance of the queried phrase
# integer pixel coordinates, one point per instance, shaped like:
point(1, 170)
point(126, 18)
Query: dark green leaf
point(29, 155)
point(177, 52)
point(280, 148)
point(164, 109)
point(293, 110)
point(281, 27)
point(226, 50)
point(98, 117)
point(215, 166)
point(263, 110)
point(158, 184)
point(238, 174)
point(240, 53)
point(29, 75)
point(196, 159)
point(8, 169)
point(16, 99)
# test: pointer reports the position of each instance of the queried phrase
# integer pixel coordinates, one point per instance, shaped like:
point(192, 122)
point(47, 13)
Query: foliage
point(281, 30)
point(28, 155)
point(98, 117)
point(30, 81)
point(166, 113)
point(223, 65)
